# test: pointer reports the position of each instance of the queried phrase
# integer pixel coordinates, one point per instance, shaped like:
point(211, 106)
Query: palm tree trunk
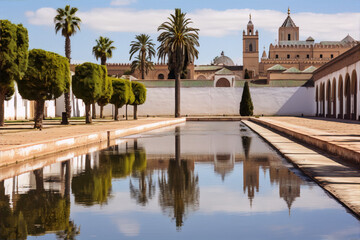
point(87, 112)
point(135, 112)
point(142, 65)
point(67, 94)
point(94, 111)
point(116, 117)
point(39, 113)
point(177, 95)
point(2, 108)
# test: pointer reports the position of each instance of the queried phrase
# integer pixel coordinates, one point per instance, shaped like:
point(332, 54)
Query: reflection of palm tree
point(179, 191)
point(146, 186)
point(246, 142)
point(69, 233)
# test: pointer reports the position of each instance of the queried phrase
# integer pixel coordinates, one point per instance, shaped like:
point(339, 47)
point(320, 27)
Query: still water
point(214, 180)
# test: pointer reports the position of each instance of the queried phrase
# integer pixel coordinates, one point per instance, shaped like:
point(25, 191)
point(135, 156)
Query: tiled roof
point(309, 69)
point(224, 71)
point(288, 22)
point(292, 70)
point(277, 67)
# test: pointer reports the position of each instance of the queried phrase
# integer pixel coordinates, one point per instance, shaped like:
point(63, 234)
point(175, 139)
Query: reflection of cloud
point(216, 23)
point(217, 199)
point(128, 227)
point(348, 233)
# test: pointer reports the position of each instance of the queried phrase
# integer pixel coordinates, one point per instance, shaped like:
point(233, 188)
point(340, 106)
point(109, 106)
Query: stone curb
point(345, 153)
point(28, 151)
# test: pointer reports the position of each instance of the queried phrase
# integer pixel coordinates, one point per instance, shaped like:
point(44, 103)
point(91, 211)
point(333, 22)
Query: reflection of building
point(224, 164)
point(289, 184)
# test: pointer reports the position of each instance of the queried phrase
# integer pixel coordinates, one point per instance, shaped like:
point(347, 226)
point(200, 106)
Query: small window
point(250, 31)
point(307, 56)
point(288, 56)
point(161, 76)
point(289, 37)
point(250, 47)
point(332, 56)
point(276, 56)
point(321, 56)
point(297, 56)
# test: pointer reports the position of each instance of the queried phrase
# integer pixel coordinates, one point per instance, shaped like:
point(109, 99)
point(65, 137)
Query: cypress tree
point(246, 105)
point(88, 84)
point(131, 98)
point(47, 77)
point(121, 94)
point(14, 43)
point(139, 91)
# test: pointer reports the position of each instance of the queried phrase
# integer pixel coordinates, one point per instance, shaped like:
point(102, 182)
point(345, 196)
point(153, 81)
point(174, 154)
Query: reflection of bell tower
point(250, 178)
point(251, 50)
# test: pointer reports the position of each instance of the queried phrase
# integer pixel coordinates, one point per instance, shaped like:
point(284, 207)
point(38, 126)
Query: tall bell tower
point(251, 50)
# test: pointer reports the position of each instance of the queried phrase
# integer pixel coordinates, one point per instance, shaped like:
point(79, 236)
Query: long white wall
point(219, 101)
point(215, 101)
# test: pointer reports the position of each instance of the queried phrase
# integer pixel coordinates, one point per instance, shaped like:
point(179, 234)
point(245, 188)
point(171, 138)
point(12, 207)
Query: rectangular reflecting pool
point(199, 180)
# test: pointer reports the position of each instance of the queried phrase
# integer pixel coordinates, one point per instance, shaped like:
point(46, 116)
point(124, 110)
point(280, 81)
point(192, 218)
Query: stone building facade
point(291, 52)
point(337, 86)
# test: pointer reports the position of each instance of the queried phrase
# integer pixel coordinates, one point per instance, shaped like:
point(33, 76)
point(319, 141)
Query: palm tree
point(142, 66)
point(145, 47)
point(66, 22)
point(102, 50)
point(178, 44)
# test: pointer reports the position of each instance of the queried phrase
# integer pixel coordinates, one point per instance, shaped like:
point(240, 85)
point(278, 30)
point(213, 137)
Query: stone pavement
point(339, 179)
point(338, 137)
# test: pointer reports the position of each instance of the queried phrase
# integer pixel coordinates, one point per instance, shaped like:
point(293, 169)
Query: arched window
point(161, 76)
point(289, 37)
point(250, 47)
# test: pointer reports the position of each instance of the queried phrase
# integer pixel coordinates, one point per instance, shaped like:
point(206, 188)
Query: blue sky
point(220, 22)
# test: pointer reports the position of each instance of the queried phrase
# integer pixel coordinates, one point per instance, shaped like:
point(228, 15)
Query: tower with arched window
point(251, 50)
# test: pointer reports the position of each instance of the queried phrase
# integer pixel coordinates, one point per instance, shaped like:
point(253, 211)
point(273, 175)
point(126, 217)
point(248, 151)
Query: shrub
point(246, 105)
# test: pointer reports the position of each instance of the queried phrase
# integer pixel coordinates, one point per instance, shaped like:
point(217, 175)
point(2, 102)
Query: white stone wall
point(18, 108)
point(219, 101)
point(215, 101)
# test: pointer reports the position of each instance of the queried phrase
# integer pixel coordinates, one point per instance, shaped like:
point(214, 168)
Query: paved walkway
point(339, 179)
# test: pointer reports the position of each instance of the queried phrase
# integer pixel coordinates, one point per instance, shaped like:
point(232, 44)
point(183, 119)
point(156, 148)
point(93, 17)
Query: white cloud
point(122, 2)
point(215, 23)
point(42, 16)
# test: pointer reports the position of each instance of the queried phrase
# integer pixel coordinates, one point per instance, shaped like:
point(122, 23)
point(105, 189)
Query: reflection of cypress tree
point(179, 191)
point(122, 164)
point(12, 226)
point(93, 186)
point(246, 142)
point(146, 186)
point(43, 211)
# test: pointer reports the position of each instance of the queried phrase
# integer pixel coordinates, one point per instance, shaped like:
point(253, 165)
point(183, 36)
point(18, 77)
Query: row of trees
point(92, 85)
point(178, 42)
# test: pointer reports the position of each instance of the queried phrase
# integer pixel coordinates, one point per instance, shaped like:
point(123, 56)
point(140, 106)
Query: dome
point(223, 60)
